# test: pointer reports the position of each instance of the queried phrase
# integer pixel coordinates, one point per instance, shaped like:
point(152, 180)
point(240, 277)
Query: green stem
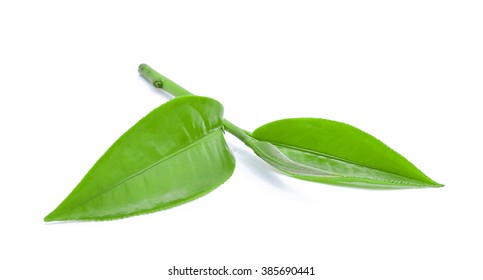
point(160, 81)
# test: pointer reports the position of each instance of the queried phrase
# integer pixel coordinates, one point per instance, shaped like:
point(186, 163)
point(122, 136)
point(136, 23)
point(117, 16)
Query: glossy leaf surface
point(173, 155)
point(336, 153)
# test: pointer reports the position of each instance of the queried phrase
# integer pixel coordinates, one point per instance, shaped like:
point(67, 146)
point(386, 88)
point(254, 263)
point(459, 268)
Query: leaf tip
point(49, 218)
point(433, 184)
point(437, 185)
point(53, 216)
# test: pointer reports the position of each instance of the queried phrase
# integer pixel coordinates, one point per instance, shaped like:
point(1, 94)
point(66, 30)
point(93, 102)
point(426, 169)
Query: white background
point(408, 72)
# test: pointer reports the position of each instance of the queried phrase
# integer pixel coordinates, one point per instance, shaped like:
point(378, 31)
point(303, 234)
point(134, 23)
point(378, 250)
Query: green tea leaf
point(175, 154)
point(335, 153)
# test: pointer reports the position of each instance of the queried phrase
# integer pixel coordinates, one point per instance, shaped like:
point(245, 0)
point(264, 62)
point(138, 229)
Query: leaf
point(335, 153)
point(175, 154)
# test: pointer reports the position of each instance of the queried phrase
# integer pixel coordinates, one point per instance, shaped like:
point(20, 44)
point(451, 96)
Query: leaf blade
point(348, 156)
point(173, 155)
